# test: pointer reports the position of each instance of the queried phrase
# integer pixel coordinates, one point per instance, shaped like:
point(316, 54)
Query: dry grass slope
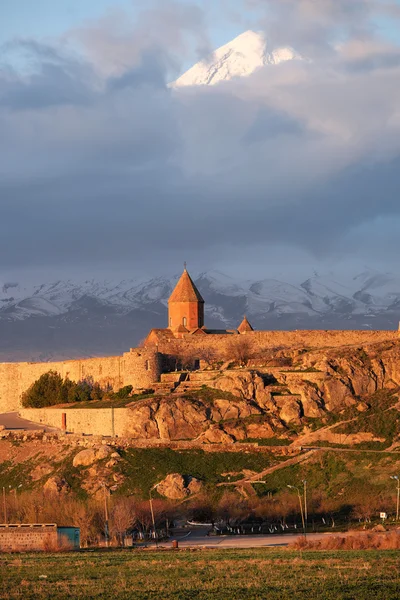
point(369, 541)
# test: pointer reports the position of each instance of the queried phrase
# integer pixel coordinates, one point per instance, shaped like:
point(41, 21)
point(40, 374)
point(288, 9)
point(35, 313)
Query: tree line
point(132, 516)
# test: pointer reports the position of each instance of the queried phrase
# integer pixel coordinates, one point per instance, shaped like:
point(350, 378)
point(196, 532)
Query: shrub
point(123, 392)
point(50, 389)
point(361, 541)
point(46, 391)
point(61, 544)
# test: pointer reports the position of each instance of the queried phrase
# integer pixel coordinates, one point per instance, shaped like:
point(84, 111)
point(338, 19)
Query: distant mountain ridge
point(65, 319)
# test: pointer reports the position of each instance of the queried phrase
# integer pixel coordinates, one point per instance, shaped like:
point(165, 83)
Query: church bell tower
point(185, 306)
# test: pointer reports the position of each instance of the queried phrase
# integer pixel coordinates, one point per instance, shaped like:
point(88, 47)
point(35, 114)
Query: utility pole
point(5, 506)
point(396, 478)
point(305, 502)
point(106, 515)
point(292, 487)
point(112, 421)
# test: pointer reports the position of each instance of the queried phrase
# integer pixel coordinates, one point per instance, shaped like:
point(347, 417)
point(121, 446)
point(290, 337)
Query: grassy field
point(262, 574)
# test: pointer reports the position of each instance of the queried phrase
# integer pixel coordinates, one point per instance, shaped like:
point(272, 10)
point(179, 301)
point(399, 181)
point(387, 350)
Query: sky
point(107, 169)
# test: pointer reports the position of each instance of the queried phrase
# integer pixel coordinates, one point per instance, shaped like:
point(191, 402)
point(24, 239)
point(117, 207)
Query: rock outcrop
point(87, 457)
point(176, 486)
point(56, 485)
point(259, 402)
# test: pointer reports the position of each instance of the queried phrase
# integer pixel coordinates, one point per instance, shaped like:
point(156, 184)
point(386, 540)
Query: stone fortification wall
point(141, 367)
point(272, 339)
point(138, 367)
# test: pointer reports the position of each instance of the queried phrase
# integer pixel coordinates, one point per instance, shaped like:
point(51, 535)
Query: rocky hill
point(286, 411)
point(287, 396)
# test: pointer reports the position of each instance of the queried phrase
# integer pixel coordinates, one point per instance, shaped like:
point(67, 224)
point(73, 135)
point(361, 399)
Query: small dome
point(245, 326)
point(185, 290)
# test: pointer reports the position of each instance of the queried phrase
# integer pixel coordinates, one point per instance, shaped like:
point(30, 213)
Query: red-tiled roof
point(185, 290)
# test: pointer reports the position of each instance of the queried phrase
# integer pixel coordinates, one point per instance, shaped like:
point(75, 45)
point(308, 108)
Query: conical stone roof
point(245, 326)
point(185, 290)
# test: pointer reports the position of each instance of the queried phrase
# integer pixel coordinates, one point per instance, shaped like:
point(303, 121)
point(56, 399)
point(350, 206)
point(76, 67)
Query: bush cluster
point(51, 389)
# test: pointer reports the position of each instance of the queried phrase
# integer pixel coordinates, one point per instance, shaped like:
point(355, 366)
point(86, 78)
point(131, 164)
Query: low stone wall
point(99, 421)
point(27, 538)
point(74, 440)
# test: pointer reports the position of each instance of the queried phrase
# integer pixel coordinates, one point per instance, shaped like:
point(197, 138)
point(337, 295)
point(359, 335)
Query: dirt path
point(291, 461)
point(329, 449)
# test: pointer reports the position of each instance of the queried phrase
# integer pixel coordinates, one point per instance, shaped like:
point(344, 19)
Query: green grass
point(344, 477)
point(110, 403)
point(12, 475)
point(208, 394)
point(262, 574)
point(379, 419)
point(145, 467)
point(308, 370)
point(273, 441)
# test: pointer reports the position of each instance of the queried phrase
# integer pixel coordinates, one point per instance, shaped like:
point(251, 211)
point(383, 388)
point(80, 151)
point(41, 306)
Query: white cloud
point(103, 162)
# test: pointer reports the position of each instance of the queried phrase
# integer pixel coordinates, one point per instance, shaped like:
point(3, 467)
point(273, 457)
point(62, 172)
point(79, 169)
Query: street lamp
point(152, 511)
point(106, 531)
point(293, 487)
point(397, 478)
point(5, 506)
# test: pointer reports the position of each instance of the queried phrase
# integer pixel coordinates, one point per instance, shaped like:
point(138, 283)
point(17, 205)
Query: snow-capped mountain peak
point(238, 58)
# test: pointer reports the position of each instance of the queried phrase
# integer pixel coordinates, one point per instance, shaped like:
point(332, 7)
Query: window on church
point(184, 321)
point(147, 365)
point(170, 321)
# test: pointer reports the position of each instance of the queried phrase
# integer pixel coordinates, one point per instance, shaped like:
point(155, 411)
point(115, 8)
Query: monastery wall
point(141, 367)
point(138, 367)
point(273, 339)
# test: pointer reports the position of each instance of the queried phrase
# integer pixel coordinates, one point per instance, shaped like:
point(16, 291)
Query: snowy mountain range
point(64, 319)
point(240, 57)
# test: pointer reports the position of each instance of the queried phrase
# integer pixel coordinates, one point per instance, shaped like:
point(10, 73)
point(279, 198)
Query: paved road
point(195, 539)
point(13, 421)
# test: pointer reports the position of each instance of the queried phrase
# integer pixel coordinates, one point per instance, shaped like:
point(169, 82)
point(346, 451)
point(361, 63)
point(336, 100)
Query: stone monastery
point(143, 367)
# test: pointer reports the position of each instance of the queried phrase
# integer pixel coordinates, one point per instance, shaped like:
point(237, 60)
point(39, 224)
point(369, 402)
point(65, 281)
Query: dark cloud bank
point(103, 162)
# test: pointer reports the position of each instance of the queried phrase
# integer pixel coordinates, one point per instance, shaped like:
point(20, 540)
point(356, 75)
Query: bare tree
point(122, 518)
point(185, 357)
point(207, 354)
point(239, 349)
point(86, 516)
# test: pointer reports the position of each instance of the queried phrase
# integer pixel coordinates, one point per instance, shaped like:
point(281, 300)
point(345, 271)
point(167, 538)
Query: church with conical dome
point(186, 313)
point(185, 306)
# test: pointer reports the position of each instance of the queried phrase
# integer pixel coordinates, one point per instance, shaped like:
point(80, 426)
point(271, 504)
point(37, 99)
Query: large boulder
point(238, 383)
point(174, 418)
point(215, 435)
point(175, 486)
point(87, 457)
point(290, 408)
point(224, 410)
